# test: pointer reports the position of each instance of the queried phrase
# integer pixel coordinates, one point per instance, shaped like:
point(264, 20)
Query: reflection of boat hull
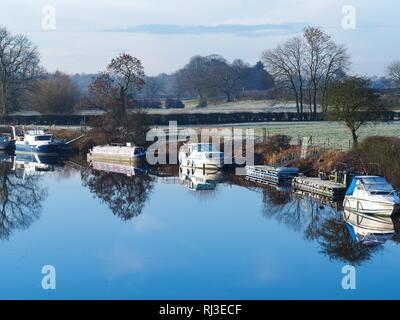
point(117, 168)
point(371, 207)
point(53, 148)
point(199, 180)
point(369, 228)
point(31, 163)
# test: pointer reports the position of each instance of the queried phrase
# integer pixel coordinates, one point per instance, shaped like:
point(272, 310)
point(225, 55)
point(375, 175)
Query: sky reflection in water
point(111, 235)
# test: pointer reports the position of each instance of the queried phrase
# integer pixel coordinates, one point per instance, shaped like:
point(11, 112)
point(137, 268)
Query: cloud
point(227, 29)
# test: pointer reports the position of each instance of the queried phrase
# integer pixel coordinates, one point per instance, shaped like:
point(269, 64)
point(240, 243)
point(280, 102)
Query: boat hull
point(371, 207)
point(216, 164)
point(41, 149)
point(116, 158)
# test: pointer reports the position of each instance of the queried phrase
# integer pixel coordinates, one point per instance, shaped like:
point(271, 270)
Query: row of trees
point(306, 65)
point(24, 84)
point(214, 76)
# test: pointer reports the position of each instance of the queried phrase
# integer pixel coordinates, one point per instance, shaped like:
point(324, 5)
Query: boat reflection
point(200, 179)
point(369, 229)
point(33, 164)
point(127, 170)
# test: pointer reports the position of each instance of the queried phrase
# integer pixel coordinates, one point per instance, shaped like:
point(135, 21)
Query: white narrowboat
point(116, 152)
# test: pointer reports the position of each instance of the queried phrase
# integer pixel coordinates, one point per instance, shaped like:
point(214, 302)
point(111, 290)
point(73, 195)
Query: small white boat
point(372, 195)
point(201, 155)
point(117, 152)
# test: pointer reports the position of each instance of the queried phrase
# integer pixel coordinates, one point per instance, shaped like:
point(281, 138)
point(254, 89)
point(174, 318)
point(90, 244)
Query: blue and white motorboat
point(372, 195)
point(39, 142)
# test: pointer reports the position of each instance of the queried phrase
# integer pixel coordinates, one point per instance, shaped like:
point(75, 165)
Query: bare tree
point(112, 91)
point(285, 64)
point(127, 74)
point(19, 69)
point(393, 71)
point(307, 64)
point(228, 78)
point(324, 59)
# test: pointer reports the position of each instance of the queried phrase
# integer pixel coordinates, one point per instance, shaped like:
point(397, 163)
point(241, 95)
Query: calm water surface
point(114, 236)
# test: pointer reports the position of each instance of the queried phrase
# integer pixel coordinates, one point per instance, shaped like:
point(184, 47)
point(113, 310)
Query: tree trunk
point(355, 138)
point(3, 99)
point(301, 97)
point(297, 105)
point(315, 100)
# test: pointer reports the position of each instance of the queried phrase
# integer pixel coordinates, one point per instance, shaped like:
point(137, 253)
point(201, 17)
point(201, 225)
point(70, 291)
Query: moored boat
point(372, 195)
point(39, 142)
point(116, 152)
point(201, 155)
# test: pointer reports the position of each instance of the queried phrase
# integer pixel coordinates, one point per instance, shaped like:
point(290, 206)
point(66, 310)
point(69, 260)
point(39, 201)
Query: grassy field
point(333, 134)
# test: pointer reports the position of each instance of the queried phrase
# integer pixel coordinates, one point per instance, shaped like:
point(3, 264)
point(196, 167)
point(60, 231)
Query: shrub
point(174, 104)
point(278, 142)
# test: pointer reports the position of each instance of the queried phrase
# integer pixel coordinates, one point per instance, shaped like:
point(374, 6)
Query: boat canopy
point(371, 183)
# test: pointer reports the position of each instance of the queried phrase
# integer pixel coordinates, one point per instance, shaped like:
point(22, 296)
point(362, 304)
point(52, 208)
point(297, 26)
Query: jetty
point(270, 174)
point(318, 186)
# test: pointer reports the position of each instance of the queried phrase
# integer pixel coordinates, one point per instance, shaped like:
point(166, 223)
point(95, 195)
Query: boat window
point(206, 147)
point(374, 180)
point(42, 138)
point(381, 193)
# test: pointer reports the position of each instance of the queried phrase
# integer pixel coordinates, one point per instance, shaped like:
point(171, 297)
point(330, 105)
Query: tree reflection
point(299, 213)
point(319, 222)
point(124, 195)
point(20, 200)
point(336, 242)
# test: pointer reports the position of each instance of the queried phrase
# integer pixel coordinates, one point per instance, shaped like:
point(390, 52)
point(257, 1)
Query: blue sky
point(165, 34)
